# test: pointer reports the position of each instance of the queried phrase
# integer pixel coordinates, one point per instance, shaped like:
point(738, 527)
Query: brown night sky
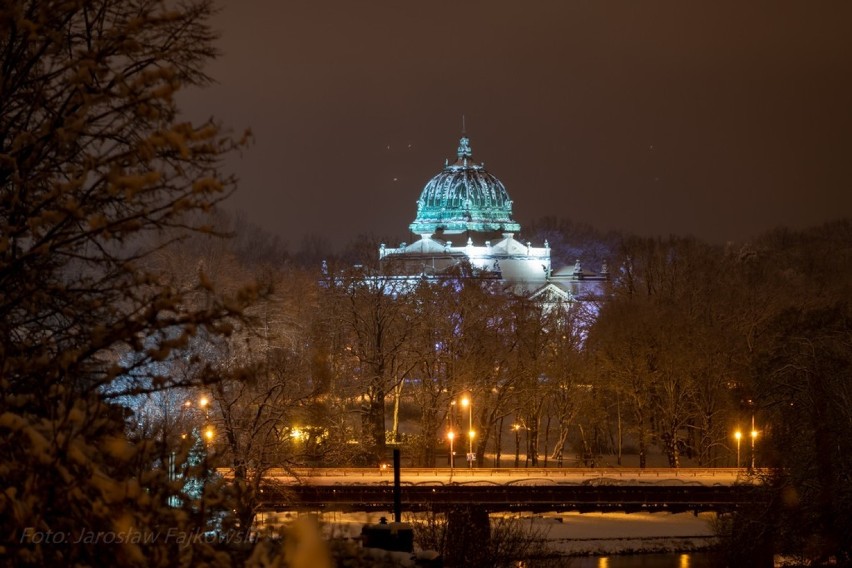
point(718, 119)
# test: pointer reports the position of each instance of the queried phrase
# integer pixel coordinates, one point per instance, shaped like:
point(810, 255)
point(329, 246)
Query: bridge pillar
point(468, 537)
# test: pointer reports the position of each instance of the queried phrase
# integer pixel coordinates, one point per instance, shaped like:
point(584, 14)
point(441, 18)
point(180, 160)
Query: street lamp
point(738, 435)
point(203, 402)
point(517, 428)
point(451, 435)
point(753, 438)
point(467, 403)
point(209, 433)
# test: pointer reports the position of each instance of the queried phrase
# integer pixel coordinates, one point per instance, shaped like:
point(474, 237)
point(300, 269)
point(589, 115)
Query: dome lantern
point(464, 150)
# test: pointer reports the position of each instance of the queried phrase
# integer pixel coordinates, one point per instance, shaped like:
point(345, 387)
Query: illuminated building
point(464, 221)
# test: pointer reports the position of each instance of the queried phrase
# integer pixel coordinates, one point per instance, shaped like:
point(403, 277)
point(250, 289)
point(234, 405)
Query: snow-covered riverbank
point(569, 533)
point(620, 533)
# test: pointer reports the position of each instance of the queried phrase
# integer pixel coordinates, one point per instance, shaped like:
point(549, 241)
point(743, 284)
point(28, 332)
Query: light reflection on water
point(656, 560)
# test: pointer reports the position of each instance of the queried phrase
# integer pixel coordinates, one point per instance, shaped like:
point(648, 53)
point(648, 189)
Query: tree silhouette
point(97, 173)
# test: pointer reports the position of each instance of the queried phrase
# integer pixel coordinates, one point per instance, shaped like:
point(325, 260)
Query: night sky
point(717, 119)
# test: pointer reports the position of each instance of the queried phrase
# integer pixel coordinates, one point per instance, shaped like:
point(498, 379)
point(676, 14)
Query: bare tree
point(568, 386)
point(93, 161)
point(625, 362)
point(372, 314)
point(457, 349)
point(664, 343)
point(432, 347)
point(265, 379)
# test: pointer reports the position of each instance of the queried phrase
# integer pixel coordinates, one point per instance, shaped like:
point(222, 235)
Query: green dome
point(464, 197)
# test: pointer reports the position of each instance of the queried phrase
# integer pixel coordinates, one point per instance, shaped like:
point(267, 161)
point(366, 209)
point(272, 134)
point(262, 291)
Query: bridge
point(502, 490)
point(536, 498)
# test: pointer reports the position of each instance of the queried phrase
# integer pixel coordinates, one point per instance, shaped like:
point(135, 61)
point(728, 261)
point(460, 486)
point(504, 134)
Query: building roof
point(464, 197)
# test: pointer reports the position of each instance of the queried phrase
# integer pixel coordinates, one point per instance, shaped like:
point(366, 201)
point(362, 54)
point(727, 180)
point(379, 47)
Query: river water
point(665, 560)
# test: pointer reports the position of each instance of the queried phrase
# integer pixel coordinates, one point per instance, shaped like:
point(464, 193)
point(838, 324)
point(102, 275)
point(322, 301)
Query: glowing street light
point(204, 403)
point(738, 435)
point(517, 429)
point(451, 436)
point(209, 433)
point(753, 439)
point(467, 403)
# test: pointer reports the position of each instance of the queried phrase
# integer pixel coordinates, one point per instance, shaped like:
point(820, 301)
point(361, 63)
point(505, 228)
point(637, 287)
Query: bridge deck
point(495, 498)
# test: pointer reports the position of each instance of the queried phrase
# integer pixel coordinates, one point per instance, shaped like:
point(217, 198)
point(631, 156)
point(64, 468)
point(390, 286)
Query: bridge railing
point(483, 472)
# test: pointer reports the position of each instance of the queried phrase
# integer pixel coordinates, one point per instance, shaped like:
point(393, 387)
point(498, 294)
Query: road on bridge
point(529, 476)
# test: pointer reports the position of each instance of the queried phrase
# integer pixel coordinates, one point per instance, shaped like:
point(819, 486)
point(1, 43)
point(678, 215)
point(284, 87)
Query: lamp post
point(738, 435)
point(517, 428)
point(466, 403)
point(451, 435)
point(204, 403)
point(753, 438)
